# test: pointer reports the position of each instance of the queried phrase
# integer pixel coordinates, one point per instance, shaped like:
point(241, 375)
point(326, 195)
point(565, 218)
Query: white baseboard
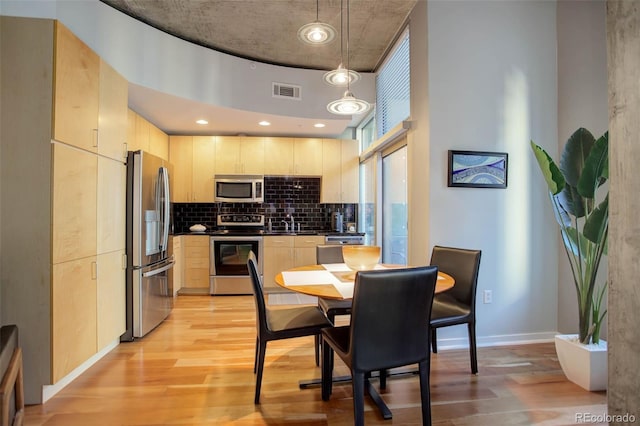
point(48, 391)
point(497, 340)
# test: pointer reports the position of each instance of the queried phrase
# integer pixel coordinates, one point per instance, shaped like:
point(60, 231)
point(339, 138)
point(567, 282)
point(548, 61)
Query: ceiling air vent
point(288, 91)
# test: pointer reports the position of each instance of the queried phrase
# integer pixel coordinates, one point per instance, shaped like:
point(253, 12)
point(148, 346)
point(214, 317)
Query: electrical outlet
point(487, 296)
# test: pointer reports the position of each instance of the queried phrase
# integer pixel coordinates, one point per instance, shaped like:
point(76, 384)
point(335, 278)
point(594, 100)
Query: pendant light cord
point(348, 66)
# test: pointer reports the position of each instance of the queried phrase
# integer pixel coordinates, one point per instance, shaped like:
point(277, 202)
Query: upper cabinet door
point(113, 114)
point(278, 156)
point(307, 157)
point(74, 203)
point(331, 171)
point(181, 156)
point(252, 155)
point(204, 156)
point(228, 155)
point(77, 91)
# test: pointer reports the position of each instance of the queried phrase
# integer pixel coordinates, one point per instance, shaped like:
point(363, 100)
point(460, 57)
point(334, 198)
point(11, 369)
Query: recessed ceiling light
point(202, 121)
point(264, 123)
point(319, 125)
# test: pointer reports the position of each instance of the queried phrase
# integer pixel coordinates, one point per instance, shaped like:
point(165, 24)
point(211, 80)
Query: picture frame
point(477, 169)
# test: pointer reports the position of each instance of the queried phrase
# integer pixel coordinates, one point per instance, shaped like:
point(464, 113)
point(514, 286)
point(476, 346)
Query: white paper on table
point(345, 289)
point(336, 267)
point(309, 278)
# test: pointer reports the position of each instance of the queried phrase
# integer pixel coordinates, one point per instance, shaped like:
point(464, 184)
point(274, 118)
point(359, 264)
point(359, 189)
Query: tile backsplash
point(284, 196)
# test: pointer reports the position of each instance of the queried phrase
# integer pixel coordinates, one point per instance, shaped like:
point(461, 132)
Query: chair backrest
point(463, 265)
point(390, 317)
point(261, 308)
point(329, 254)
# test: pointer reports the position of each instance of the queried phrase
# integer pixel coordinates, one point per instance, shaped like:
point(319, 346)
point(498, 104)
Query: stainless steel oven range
point(230, 245)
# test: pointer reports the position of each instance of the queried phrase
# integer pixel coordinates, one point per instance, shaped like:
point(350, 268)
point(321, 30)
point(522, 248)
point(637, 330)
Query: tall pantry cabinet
point(62, 200)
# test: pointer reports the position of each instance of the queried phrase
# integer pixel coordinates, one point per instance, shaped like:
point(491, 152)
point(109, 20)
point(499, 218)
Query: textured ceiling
point(266, 30)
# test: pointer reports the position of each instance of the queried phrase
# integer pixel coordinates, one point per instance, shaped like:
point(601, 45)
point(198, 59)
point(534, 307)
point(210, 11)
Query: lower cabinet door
point(73, 315)
point(111, 297)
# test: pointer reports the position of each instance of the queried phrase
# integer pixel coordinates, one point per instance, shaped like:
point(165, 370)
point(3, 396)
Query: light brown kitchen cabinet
point(282, 252)
point(196, 262)
point(110, 292)
point(340, 171)
point(111, 206)
point(193, 159)
point(158, 142)
point(74, 203)
point(176, 273)
point(278, 156)
point(239, 155)
point(277, 257)
point(181, 157)
point(113, 114)
point(73, 315)
point(77, 91)
point(142, 133)
point(66, 201)
point(307, 157)
point(204, 163)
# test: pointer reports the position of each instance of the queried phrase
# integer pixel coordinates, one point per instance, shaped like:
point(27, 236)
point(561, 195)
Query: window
point(393, 87)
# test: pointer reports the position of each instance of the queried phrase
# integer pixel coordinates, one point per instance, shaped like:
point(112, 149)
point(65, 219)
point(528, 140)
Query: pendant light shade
point(316, 32)
point(341, 76)
point(348, 105)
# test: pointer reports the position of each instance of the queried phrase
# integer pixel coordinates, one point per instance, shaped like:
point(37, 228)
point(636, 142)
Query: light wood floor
point(197, 369)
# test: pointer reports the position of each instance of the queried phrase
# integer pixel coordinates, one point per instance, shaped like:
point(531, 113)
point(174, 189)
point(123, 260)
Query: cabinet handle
point(95, 137)
point(124, 261)
point(94, 270)
point(126, 149)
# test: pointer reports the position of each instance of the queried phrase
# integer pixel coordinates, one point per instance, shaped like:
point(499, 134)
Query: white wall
point(154, 59)
point(492, 87)
point(582, 102)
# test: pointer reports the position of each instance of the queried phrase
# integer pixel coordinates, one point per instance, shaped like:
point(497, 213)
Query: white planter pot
point(584, 365)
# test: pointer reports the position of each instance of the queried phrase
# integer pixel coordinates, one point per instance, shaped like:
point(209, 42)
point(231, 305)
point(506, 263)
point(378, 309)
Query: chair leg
point(434, 343)
point(358, 397)
point(383, 379)
point(255, 361)
point(472, 347)
point(261, 353)
point(317, 344)
point(424, 370)
point(327, 371)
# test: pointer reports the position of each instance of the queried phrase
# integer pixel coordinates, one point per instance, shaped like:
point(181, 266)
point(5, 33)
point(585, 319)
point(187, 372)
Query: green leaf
point(570, 237)
point(596, 168)
point(575, 154)
point(550, 171)
point(596, 224)
point(571, 201)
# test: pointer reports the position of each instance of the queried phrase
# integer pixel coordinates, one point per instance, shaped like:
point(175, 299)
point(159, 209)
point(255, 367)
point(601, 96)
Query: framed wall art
point(477, 169)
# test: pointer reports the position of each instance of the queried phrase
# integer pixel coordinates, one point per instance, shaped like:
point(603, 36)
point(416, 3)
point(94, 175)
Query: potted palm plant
point(581, 206)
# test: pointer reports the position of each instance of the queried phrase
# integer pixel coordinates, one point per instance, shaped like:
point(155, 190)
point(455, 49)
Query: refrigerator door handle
point(166, 207)
point(159, 270)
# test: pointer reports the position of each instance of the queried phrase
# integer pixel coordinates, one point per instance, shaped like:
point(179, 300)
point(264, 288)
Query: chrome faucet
point(293, 225)
point(286, 225)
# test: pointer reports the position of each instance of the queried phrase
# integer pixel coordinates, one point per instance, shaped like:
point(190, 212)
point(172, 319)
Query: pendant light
point(317, 32)
point(341, 76)
point(348, 104)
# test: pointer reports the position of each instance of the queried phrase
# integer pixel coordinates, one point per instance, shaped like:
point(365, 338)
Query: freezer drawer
point(152, 297)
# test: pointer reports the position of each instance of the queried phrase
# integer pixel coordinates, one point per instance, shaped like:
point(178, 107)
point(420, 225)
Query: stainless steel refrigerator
point(149, 290)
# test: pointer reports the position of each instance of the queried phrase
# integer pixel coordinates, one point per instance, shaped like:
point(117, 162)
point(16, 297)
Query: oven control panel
point(240, 220)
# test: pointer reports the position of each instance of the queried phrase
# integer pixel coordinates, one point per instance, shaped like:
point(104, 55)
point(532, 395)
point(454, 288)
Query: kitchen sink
point(290, 233)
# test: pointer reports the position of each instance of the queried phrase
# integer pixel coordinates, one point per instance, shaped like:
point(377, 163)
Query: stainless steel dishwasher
point(344, 239)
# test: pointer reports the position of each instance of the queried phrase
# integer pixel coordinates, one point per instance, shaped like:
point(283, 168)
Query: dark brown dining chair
point(458, 304)
point(277, 324)
point(389, 322)
point(332, 307)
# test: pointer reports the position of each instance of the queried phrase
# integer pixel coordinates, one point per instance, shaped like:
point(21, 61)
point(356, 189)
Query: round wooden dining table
point(329, 291)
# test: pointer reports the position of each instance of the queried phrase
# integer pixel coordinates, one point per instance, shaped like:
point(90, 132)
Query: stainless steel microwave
point(239, 189)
